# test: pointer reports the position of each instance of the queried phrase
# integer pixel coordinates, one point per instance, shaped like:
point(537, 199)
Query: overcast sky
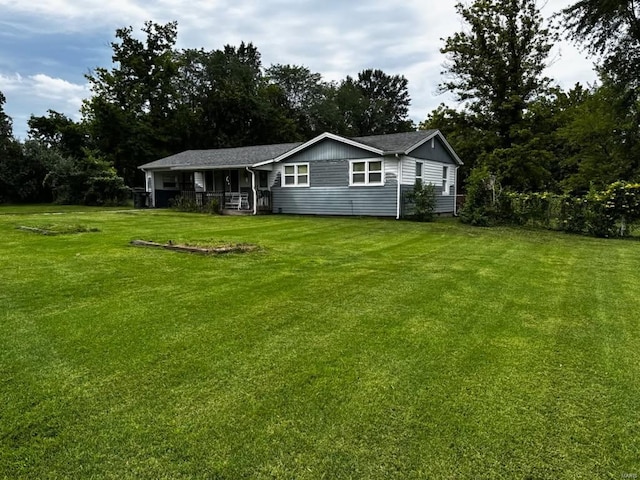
point(47, 46)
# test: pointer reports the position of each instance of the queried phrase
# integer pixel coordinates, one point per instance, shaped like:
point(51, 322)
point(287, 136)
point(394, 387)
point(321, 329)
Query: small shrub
point(423, 197)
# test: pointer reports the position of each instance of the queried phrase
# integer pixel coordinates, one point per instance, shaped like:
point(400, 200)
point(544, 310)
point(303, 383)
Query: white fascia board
point(450, 148)
point(438, 134)
point(317, 139)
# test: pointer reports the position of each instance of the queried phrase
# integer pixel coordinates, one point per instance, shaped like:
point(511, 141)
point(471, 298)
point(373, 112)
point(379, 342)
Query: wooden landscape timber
point(218, 250)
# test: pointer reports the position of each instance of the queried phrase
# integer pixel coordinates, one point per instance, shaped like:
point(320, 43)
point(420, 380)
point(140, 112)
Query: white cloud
point(10, 83)
point(43, 86)
point(35, 94)
point(58, 89)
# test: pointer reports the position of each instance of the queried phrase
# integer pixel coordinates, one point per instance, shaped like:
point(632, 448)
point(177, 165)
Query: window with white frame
point(445, 180)
point(296, 175)
point(366, 172)
point(419, 170)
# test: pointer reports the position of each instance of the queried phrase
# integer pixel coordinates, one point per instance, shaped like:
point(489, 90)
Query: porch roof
point(221, 158)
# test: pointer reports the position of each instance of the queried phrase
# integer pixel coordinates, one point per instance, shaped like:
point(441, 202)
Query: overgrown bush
point(607, 213)
point(191, 205)
point(542, 210)
point(423, 198)
point(23, 169)
point(481, 206)
point(573, 214)
point(86, 181)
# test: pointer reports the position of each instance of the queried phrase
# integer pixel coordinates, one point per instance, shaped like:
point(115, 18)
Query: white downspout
point(399, 186)
point(455, 191)
point(253, 189)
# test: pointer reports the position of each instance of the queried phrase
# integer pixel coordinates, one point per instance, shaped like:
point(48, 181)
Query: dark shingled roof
point(223, 157)
point(394, 142)
point(248, 156)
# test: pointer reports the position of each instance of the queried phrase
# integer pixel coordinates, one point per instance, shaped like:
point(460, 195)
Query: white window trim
point(296, 175)
point(366, 172)
point(445, 180)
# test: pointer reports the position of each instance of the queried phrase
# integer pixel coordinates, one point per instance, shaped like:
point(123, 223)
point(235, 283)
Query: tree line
point(511, 123)
point(514, 127)
point(157, 100)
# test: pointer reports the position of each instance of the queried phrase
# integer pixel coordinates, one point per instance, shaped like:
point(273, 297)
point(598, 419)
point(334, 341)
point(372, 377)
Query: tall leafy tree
point(225, 100)
point(610, 28)
point(130, 114)
point(495, 69)
point(304, 96)
point(374, 103)
point(602, 138)
point(6, 124)
point(58, 131)
point(495, 65)
point(13, 170)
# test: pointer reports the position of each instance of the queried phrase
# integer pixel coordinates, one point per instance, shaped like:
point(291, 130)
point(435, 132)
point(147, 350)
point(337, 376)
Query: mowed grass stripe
point(344, 348)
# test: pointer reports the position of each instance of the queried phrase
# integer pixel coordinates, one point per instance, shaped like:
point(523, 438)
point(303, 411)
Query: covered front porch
point(227, 190)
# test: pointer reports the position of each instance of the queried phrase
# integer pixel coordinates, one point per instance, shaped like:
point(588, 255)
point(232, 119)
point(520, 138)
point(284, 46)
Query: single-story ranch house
point(328, 175)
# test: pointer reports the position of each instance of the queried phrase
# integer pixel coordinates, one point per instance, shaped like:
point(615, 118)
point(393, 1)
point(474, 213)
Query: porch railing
point(227, 200)
point(264, 200)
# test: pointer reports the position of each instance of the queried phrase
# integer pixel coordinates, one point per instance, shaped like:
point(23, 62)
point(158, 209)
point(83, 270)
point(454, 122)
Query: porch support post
point(399, 193)
point(253, 189)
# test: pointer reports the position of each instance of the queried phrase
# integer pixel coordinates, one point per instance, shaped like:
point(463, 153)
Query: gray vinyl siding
point(329, 173)
point(377, 201)
point(446, 203)
point(329, 150)
point(439, 153)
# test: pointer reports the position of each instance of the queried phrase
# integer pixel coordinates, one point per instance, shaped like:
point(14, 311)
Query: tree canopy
point(158, 100)
point(512, 121)
point(495, 69)
point(495, 65)
point(611, 29)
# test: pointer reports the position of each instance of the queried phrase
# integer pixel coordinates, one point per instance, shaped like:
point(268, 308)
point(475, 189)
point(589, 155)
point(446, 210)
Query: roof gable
point(319, 139)
point(329, 149)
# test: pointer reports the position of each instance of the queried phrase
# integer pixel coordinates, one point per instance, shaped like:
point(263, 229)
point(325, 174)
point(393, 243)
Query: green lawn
point(343, 348)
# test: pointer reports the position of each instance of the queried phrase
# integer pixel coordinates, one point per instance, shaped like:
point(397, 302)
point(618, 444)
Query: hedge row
point(607, 213)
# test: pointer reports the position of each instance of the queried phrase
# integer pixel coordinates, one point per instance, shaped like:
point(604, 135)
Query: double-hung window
point(296, 175)
point(419, 169)
point(366, 172)
point(445, 180)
